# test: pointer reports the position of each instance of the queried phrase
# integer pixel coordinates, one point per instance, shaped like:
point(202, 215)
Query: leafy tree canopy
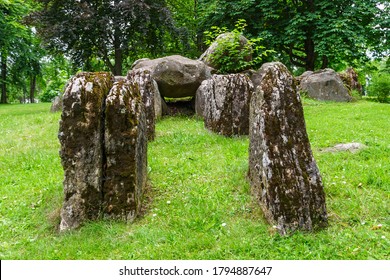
point(108, 29)
point(311, 34)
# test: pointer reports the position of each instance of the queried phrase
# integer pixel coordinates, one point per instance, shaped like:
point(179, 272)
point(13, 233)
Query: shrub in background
point(380, 87)
point(231, 56)
point(53, 89)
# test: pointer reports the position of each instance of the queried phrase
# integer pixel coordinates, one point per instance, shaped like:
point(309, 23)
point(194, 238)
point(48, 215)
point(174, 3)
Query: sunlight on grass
point(201, 206)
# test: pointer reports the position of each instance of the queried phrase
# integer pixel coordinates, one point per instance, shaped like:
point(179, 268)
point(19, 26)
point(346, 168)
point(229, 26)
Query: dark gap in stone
point(180, 107)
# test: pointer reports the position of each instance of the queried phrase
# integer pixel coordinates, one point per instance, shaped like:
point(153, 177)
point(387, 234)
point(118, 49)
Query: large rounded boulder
point(176, 76)
point(325, 85)
point(219, 45)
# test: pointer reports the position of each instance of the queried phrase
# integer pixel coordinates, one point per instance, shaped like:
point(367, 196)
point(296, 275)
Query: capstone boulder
point(242, 43)
point(176, 76)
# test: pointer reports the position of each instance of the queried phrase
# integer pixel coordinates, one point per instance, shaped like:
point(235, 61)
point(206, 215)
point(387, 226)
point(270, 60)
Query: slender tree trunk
point(33, 82)
point(325, 62)
point(3, 78)
point(309, 43)
point(118, 53)
point(310, 54)
point(118, 62)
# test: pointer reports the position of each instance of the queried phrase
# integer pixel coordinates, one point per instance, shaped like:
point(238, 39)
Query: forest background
point(44, 42)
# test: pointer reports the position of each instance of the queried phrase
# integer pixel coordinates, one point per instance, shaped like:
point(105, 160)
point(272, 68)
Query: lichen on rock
point(81, 138)
point(223, 102)
point(125, 152)
point(282, 171)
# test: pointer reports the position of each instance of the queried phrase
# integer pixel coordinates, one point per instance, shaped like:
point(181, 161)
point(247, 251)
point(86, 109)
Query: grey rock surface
point(176, 76)
point(225, 101)
point(81, 138)
point(325, 85)
point(282, 171)
point(150, 96)
point(125, 147)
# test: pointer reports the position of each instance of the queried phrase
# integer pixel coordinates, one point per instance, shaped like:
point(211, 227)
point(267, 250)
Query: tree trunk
point(118, 53)
point(3, 80)
point(325, 62)
point(309, 43)
point(118, 62)
point(33, 82)
point(310, 54)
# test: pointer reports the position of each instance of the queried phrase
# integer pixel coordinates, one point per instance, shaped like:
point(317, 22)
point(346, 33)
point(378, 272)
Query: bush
point(380, 87)
point(53, 89)
point(231, 54)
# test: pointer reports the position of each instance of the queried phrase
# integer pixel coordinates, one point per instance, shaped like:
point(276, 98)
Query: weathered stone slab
point(325, 85)
point(150, 96)
point(282, 171)
point(81, 138)
point(226, 104)
point(350, 147)
point(56, 105)
point(125, 152)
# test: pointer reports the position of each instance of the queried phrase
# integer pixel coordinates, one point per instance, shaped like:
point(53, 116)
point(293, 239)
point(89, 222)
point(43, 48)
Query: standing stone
point(56, 105)
point(226, 104)
point(282, 171)
point(81, 138)
point(125, 152)
point(150, 96)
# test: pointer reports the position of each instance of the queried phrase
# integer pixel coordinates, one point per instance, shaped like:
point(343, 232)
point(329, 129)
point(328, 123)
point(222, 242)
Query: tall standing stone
point(125, 152)
point(81, 138)
point(150, 96)
point(226, 104)
point(282, 171)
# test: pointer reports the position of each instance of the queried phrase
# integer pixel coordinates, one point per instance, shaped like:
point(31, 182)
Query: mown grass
point(200, 207)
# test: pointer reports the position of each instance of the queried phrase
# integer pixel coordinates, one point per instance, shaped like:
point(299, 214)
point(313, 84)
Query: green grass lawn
point(199, 205)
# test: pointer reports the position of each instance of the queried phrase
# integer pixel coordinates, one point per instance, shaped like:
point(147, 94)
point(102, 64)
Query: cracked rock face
point(103, 149)
point(282, 171)
point(223, 101)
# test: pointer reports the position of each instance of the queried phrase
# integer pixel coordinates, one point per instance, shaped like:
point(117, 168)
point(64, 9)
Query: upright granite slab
point(81, 137)
point(150, 96)
point(225, 99)
point(103, 149)
point(125, 152)
point(282, 171)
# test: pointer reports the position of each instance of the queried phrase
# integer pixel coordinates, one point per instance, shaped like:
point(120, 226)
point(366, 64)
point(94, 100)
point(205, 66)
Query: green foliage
point(52, 90)
point(310, 34)
point(57, 71)
point(232, 54)
point(108, 30)
point(211, 214)
point(380, 87)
